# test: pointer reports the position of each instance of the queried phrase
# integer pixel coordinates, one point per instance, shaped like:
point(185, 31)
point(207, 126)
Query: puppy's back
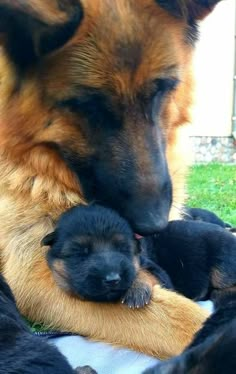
point(20, 351)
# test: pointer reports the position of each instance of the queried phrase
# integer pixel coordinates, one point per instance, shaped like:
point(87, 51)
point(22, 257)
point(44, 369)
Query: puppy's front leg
point(161, 276)
point(139, 294)
point(163, 328)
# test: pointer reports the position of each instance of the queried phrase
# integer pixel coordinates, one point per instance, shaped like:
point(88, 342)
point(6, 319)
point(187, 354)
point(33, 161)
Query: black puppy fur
point(213, 348)
point(20, 351)
point(199, 257)
point(201, 261)
point(95, 256)
point(204, 215)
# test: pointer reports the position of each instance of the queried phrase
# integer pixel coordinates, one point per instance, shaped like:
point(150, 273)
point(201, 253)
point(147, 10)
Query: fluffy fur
point(199, 257)
point(22, 352)
point(94, 99)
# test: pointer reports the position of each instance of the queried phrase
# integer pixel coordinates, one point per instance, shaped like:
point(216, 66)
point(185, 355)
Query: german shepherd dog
point(95, 95)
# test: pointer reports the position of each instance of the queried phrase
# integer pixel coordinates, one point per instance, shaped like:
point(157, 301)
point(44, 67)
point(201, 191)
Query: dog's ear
point(30, 29)
point(191, 10)
point(49, 239)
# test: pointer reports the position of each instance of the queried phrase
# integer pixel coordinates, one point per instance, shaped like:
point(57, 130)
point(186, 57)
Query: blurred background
point(212, 179)
point(214, 114)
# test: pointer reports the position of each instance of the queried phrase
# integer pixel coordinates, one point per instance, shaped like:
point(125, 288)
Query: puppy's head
point(93, 253)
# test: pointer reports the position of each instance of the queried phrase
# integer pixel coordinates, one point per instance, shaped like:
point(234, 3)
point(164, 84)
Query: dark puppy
point(213, 348)
point(20, 351)
point(198, 214)
point(95, 256)
point(199, 257)
point(215, 356)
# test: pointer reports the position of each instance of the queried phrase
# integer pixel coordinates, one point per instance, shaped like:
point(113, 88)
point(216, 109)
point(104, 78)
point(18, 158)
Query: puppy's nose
point(112, 279)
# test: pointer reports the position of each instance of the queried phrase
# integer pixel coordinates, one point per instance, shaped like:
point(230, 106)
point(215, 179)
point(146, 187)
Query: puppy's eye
point(72, 250)
point(84, 251)
point(122, 246)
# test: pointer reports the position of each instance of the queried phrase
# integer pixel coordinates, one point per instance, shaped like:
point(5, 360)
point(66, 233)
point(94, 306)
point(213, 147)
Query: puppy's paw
point(137, 296)
point(85, 370)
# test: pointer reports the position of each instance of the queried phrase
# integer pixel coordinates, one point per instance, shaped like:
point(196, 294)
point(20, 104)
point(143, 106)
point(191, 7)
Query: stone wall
point(214, 149)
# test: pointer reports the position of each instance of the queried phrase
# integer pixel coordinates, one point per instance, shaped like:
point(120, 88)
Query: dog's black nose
point(112, 279)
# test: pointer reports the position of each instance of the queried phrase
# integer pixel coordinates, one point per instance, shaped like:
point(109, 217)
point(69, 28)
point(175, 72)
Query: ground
point(213, 187)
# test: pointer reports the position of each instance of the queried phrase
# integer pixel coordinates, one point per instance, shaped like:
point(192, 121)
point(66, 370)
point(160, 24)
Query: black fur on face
point(93, 253)
point(122, 173)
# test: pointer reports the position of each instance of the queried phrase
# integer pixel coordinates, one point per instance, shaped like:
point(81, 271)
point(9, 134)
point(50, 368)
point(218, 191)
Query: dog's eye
point(155, 91)
point(75, 104)
point(164, 86)
point(83, 103)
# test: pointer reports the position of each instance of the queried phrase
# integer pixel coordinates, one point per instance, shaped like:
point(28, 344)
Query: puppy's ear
point(191, 10)
point(31, 29)
point(49, 239)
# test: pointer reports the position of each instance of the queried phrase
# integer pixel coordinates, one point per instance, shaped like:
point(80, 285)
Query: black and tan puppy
point(94, 255)
point(204, 215)
point(20, 351)
point(213, 348)
point(199, 257)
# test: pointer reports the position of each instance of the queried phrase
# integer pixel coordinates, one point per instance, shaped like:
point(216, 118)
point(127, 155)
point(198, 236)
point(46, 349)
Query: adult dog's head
point(99, 86)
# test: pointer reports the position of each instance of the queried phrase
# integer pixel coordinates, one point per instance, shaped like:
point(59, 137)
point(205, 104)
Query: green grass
point(36, 326)
point(213, 187)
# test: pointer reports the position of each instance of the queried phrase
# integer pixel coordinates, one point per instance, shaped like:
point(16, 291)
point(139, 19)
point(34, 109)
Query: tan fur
point(147, 278)
point(60, 275)
point(219, 280)
point(36, 186)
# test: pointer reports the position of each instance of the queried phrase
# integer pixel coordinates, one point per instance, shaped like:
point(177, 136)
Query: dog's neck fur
point(24, 181)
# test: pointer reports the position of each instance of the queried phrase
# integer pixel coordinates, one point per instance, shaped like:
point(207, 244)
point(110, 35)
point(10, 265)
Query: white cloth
point(104, 358)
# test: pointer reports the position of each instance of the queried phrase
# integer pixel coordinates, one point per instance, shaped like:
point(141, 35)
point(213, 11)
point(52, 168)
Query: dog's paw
point(137, 297)
point(85, 370)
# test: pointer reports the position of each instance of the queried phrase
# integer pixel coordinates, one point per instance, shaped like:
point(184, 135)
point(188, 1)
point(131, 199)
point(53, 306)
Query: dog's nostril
point(112, 279)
